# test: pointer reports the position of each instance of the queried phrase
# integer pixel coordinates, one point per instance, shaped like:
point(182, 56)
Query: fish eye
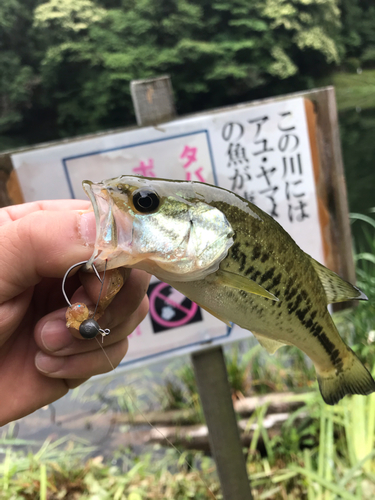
point(145, 201)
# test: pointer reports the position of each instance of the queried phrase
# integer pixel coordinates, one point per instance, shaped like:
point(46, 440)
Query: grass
point(56, 476)
point(336, 468)
point(251, 371)
point(355, 90)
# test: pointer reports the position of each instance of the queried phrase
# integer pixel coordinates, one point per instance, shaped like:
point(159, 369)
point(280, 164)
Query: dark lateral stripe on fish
point(309, 323)
point(301, 313)
point(313, 314)
point(339, 365)
point(256, 252)
point(289, 295)
point(294, 306)
point(289, 283)
point(275, 282)
point(267, 275)
point(317, 331)
point(265, 257)
point(239, 256)
point(249, 270)
point(255, 275)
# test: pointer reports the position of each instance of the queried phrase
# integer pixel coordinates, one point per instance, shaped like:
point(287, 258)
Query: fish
point(233, 260)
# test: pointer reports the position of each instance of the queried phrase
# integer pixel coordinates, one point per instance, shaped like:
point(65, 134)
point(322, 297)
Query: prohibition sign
point(157, 297)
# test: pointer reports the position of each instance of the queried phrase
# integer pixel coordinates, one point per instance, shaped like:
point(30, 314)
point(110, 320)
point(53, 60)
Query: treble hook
point(89, 328)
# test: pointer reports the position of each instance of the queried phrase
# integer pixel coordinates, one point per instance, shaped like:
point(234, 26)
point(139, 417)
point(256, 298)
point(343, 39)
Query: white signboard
point(260, 152)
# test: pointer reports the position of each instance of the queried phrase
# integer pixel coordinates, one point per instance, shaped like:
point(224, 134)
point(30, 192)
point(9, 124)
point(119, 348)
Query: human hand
point(39, 359)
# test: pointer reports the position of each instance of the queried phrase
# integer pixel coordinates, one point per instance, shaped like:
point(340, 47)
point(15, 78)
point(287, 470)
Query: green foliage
point(17, 75)
point(67, 18)
point(355, 90)
point(342, 465)
point(67, 64)
point(82, 54)
point(357, 325)
point(16, 83)
point(357, 130)
point(358, 33)
point(57, 474)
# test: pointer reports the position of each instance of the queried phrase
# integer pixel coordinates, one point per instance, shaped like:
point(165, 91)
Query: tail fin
point(354, 379)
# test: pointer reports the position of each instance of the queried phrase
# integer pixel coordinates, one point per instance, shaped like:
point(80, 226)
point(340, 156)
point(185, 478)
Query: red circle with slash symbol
point(187, 311)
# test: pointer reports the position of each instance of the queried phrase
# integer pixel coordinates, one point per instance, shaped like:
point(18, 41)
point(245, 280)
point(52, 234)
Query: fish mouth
point(111, 222)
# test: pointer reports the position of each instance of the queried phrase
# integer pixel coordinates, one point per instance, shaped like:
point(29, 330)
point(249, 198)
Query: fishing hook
point(88, 328)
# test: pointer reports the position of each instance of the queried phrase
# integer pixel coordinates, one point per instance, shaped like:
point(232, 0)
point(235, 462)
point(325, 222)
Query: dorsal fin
point(336, 289)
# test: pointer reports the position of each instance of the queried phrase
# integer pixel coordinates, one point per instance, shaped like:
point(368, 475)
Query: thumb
point(43, 244)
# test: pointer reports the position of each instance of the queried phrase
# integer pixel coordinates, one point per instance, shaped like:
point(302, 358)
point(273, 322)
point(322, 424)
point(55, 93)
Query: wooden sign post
point(209, 365)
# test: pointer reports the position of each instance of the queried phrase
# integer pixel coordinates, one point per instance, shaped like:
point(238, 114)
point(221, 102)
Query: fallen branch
point(277, 403)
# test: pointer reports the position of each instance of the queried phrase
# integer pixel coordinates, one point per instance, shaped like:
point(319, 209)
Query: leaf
point(134, 496)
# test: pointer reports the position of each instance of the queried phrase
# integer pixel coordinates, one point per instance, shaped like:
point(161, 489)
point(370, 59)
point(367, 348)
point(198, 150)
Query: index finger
point(14, 212)
point(44, 243)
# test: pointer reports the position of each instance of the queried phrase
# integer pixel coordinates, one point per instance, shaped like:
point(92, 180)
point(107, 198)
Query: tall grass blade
point(364, 218)
point(334, 488)
point(354, 470)
point(308, 466)
point(43, 482)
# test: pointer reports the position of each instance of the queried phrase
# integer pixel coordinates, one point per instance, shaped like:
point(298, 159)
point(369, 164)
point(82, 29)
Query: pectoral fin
point(270, 345)
point(217, 315)
point(336, 289)
point(241, 283)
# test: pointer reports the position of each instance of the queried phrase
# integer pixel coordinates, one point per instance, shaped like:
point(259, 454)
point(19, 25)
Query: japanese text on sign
point(264, 163)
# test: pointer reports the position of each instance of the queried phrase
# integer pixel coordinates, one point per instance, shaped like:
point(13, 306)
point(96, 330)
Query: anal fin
point(270, 345)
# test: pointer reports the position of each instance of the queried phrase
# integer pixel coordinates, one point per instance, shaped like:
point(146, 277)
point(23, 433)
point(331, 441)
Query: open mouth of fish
point(113, 229)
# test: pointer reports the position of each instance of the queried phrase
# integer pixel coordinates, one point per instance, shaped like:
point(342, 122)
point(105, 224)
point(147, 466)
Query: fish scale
point(236, 262)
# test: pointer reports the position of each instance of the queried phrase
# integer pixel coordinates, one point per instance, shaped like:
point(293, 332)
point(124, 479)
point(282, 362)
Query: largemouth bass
point(233, 260)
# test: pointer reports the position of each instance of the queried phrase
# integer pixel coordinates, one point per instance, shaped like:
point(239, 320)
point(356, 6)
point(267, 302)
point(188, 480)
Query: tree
point(358, 32)
point(217, 52)
point(17, 74)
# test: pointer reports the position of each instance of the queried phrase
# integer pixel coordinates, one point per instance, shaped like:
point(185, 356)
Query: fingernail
point(55, 336)
point(48, 364)
point(87, 227)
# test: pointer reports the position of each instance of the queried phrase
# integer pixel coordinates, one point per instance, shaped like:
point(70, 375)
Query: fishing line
point(135, 405)
point(102, 282)
point(180, 453)
point(190, 467)
point(91, 325)
point(105, 354)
